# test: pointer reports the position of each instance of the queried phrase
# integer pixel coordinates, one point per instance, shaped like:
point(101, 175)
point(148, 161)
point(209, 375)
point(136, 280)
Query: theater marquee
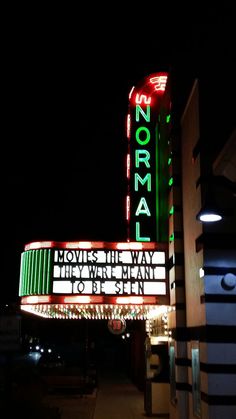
point(109, 272)
point(101, 272)
point(110, 279)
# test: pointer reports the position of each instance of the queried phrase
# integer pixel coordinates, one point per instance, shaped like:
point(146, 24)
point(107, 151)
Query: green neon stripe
point(29, 272)
point(40, 277)
point(171, 212)
point(32, 273)
point(36, 271)
point(171, 181)
point(49, 267)
point(157, 183)
point(171, 238)
point(25, 273)
point(44, 271)
point(26, 267)
point(21, 274)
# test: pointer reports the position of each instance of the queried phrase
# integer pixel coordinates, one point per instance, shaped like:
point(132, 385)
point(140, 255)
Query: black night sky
point(66, 79)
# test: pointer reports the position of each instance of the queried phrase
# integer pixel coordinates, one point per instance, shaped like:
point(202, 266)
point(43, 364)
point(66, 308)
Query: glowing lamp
point(210, 212)
point(208, 216)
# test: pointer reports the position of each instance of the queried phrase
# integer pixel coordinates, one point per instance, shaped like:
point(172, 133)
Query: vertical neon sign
point(143, 157)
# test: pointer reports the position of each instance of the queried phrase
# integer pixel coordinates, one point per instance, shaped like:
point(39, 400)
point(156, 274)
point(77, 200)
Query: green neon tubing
point(139, 159)
point(145, 210)
point(171, 181)
point(146, 130)
point(138, 237)
point(146, 179)
point(146, 115)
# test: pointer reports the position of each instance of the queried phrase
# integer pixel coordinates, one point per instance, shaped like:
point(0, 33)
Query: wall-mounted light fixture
point(209, 214)
point(211, 211)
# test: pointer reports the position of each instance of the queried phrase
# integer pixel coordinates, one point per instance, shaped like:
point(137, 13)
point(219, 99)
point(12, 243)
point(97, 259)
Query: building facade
point(202, 261)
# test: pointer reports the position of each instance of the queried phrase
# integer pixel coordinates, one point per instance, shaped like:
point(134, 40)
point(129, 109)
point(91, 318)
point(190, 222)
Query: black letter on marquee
point(80, 287)
point(94, 287)
point(117, 285)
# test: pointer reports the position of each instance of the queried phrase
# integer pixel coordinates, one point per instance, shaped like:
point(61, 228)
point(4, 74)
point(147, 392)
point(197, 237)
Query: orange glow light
point(80, 245)
point(80, 299)
point(128, 166)
point(159, 83)
point(130, 93)
point(95, 245)
point(129, 300)
point(39, 245)
point(143, 99)
point(128, 123)
point(130, 245)
point(36, 299)
point(127, 209)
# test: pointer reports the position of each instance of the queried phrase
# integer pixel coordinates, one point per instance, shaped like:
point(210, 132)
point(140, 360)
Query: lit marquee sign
point(113, 269)
point(110, 272)
point(113, 280)
point(143, 160)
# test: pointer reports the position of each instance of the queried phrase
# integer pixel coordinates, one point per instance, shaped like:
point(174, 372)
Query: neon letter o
point(148, 136)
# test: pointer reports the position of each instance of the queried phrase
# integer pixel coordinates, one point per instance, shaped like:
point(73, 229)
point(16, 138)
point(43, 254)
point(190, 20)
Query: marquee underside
point(93, 280)
point(94, 308)
point(92, 312)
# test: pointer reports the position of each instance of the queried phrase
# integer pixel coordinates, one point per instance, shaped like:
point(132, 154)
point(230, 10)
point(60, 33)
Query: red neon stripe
point(94, 245)
point(88, 299)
